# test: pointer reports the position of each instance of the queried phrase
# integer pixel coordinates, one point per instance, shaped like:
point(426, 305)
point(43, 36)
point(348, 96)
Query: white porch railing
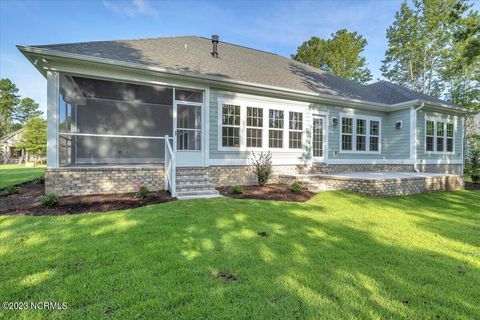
point(170, 168)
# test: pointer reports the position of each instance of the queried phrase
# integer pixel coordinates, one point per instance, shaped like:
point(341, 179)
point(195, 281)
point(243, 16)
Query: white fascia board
point(441, 107)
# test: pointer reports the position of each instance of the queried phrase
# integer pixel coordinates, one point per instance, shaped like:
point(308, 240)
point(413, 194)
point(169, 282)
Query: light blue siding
point(458, 135)
point(293, 155)
point(394, 142)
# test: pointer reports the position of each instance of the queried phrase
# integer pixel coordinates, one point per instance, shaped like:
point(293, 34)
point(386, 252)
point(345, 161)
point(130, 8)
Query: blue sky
point(277, 27)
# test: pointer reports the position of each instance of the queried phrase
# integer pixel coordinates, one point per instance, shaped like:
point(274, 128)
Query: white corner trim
point(206, 135)
point(53, 96)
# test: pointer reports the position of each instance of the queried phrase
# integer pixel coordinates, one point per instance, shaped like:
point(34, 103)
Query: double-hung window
point(295, 130)
point(360, 134)
point(439, 136)
point(449, 137)
point(347, 133)
point(430, 135)
point(254, 127)
point(230, 125)
point(275, 131)
point(374, 135)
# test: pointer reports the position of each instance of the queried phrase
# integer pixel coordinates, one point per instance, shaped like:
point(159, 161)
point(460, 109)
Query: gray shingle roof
point(392, 93)
point(193, 54)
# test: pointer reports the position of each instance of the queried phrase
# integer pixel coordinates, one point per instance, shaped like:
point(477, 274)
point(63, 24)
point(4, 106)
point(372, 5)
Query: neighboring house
point(8, 148)
point(185, 114)
point(9, 151)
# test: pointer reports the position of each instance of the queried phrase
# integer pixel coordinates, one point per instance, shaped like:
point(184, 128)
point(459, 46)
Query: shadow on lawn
point(312, 264)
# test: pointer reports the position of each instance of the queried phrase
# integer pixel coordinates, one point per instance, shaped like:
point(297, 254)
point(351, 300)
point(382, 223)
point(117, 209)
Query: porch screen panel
point(105, 122)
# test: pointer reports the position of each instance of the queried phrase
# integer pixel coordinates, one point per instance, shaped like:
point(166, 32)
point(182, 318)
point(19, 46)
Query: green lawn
point(338, 256)
point(11, 174)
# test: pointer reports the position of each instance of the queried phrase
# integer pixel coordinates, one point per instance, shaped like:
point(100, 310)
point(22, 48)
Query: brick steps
point(193, 183)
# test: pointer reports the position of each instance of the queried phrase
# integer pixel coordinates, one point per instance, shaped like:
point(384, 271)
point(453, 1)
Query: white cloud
point(132, 8)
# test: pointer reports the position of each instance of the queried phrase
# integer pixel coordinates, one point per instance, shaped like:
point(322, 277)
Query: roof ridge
point(116, 40)
point(396, 87)
point(245, 47)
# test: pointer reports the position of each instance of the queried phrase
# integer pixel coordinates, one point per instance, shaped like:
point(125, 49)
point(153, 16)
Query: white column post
point(52, 118)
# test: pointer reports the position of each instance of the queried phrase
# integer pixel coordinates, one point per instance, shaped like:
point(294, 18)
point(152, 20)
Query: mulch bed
point(472, 186)
point(26, 202)
point(279, 192)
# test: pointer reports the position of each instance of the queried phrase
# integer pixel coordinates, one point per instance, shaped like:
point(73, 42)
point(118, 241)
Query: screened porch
point(114, 123)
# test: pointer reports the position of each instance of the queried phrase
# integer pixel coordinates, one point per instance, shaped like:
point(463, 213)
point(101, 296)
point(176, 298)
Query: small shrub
point(141, 191)
point(9, 191)
point(50, 199)
point(40, 179)
point(475, 178)
point(296, 187)
point(237, 189)
point(263, 166)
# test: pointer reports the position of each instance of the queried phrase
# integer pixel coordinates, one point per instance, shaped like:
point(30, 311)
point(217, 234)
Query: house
point(11, 153)
point(186, 113)
point(8, 147)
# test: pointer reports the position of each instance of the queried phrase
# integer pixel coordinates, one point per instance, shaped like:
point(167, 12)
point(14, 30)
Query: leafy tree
point(462, 66)
point(425, 44)
point(341, 55)
point(27, 109)
point(34, 138)
point(8, 103)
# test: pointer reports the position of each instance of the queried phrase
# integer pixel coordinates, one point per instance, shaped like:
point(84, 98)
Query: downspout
point(414, 128)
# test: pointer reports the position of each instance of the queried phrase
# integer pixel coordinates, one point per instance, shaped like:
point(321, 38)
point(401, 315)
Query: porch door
point(318, 135)
point(189, 134)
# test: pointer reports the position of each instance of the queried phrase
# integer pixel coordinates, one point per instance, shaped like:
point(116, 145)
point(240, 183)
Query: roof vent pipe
point(215, 43)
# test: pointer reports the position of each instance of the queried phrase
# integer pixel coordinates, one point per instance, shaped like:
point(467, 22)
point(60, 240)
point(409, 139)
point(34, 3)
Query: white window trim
point(354, 133)
point(265, 105)
point(324, 137)
point(252, 127)
point(295, 130)
point(367, 128)
point(221, 125)
point(436, 119)
point(275, 129)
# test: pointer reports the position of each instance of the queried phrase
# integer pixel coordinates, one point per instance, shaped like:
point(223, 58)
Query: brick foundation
point(396, 187)
point(245, 175)
point(82, 181)
point(343, 168)
point(441, 168)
